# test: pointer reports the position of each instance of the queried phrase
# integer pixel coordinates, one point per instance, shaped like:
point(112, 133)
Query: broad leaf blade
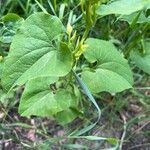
point(110, 71)
point(122, 7)
point(33, 52)
point(68, 115)
point(65, 117)
point(40, 100)
point(142, 60)
point(130, 18)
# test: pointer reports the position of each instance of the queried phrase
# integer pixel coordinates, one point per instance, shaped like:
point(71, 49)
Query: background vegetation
point(125, 120)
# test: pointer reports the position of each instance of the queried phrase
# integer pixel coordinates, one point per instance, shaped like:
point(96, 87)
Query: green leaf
point(113, 141)
point(142, 60)
point(66, 116)
point(91, 98)
point(75, 146)
point(40, 100)
point(11, 22)
point(11, 17)
point(129, 18)
point(36, 51)
point(110, 72)
point(1, 66)
point(122, 7)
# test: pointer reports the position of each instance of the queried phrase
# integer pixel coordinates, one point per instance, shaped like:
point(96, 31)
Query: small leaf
point(36, 51)
point(11, 22)
point(110, 72)
point(122, 7)
point(11, 17)
point(38, 99)
point(142, 60)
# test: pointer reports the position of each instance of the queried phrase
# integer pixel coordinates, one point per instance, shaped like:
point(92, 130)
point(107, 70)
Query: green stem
point(85, 35)
point(55, 4)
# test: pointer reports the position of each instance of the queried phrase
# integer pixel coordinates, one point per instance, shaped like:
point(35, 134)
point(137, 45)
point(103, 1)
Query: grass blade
point(91, 98)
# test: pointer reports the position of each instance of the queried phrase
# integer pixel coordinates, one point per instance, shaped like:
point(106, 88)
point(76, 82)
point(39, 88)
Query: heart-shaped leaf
point(122, 7)
point(142, 60)
point(36, 51)
point(40, 99)
point(110, 71)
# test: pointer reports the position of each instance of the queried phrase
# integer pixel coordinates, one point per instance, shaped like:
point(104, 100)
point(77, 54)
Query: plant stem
point(85, 35)
point(55, 4)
